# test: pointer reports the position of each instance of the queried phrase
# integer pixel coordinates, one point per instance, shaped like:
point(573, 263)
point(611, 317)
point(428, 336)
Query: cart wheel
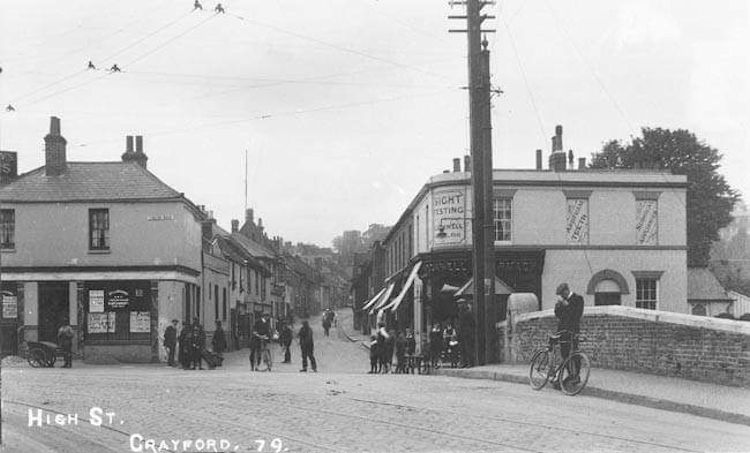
point(37, 358)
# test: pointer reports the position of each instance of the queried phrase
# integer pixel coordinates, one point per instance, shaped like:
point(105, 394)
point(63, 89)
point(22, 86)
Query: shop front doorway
point(54, 309)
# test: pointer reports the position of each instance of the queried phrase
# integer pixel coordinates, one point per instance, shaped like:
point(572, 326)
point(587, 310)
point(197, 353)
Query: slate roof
point(89, 181)
point(252, 247)
point(703, 285)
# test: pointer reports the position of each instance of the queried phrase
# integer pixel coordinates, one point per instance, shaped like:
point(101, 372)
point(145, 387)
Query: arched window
point(607, 292)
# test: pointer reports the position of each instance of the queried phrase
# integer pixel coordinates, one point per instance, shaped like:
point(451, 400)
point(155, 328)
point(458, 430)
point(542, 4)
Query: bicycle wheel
point(575, 373)
point(539, 369)
point(37, 358)
point(266, 356)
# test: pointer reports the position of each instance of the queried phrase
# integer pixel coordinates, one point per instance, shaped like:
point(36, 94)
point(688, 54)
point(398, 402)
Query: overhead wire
point(337, 47)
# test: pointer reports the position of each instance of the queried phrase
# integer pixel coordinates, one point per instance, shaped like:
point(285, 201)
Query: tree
point(709, 198)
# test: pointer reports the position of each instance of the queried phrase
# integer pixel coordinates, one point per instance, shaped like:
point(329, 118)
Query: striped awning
point(383, 299)
point(372, 301)
point(412, 276)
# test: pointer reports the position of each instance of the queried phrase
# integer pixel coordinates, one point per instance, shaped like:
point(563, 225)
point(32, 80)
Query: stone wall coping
point(726, 325)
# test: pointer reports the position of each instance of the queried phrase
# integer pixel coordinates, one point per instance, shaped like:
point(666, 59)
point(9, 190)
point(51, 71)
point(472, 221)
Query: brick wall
point(670, 344)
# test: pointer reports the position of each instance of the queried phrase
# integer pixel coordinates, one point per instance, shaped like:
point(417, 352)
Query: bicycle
point(572, 373)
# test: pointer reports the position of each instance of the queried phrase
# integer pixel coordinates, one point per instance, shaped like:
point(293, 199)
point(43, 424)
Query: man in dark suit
point(170, 341)
point(568, 310)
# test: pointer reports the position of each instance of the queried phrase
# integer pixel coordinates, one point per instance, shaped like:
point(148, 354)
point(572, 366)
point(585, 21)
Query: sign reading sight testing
point(449, 216)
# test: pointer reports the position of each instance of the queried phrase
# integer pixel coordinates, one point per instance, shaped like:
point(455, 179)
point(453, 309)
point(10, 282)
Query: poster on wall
point(10, 305)
point(578, 221)
point(449, 216)
point(140, 321)
point(646, 222)
point(117, 299)
point(101, 322)
point(96, 301)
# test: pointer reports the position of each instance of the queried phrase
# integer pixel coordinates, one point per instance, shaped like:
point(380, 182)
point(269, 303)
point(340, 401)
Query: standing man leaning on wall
point(569, 310)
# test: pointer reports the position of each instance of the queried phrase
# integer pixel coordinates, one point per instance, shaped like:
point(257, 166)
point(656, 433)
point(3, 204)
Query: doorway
point(54, 309)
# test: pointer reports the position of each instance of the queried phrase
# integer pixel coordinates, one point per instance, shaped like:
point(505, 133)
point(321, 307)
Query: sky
point(345, 108)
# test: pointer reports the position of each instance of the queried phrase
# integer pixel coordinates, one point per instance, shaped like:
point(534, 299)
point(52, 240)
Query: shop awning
point(383, 299)
point(397, 301)
point(372, 301)
point(468, 289)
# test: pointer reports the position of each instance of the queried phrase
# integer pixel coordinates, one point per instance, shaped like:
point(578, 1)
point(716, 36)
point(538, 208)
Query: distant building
point(705, 295)
point(104, 246)
point(740, 304)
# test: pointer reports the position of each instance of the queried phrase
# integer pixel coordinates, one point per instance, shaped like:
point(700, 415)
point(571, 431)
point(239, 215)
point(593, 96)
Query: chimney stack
point(134, 155)
point(467, 163)
point(539, 159)
point(456, 165)
point(235, 225)
point(249, 216)
point(260, 223)
point(581, 163)
point(557, 160)
point(54, 149)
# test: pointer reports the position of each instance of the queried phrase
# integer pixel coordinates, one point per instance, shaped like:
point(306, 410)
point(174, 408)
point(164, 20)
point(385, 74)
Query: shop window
point(502, 215)
point(8, 229)
point(646, 293)
point(118, 311)
point(98, 229)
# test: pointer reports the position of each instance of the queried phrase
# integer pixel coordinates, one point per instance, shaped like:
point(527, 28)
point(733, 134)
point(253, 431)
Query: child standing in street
point(374, 354)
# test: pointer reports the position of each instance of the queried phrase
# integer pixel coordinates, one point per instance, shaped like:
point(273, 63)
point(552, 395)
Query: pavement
point(719, 402)
point(340, 408)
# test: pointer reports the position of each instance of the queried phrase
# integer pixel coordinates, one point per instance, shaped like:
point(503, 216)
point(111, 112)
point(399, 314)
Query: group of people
point(192, 343)
point(384, 343)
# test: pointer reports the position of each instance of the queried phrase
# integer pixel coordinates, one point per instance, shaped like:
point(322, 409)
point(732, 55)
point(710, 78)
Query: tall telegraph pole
point(480, 127)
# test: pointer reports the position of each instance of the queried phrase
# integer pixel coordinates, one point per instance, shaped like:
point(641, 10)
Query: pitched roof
point(703, 285)
point(252, 247)
point(88, 181)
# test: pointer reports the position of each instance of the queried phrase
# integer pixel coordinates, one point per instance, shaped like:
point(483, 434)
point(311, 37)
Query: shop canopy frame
point(372, 301)
point(383, 299)
point(393, 306)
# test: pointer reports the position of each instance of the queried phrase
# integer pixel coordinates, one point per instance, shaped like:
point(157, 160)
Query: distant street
point(341, 408)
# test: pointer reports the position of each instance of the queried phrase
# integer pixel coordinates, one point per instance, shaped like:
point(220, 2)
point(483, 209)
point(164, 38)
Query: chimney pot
point(446, 171)
point(129, 144)
point(260, 222)
point(571, 158)
point(581, 163)
point(467, 163)
point(249, 216)
point(139, 144)
point(456, 165)
point(54, 126)
point(539, 159)
point(235, 225)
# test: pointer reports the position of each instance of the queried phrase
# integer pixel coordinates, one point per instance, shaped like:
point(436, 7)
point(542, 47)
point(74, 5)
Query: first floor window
point(502, 218)
point(646, 293)
point(7, 228)
point(99, 229)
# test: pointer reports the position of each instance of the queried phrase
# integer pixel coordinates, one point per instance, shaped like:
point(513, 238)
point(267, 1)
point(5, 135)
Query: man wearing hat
point(568, 309)
point(170, 341)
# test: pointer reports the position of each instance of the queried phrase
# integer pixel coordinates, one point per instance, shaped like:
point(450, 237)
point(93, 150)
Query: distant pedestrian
point(261, 335)
point(185, 354)
point(285, 338)
point(197, 5)
point(219, 340)
point(436, 344)
point(411, 343)
point(219, 9)
point(466, 326)
point(307, 346)
point(65, 340)
point(390, 346)
point(115, 68)
point(326, 325)
point(383, 336)
point(401, 353)
point(170, 341)
point(91, 65)
point(374, 354)
point(197, 344)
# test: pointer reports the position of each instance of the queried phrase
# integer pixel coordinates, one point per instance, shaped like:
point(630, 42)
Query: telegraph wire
point(529, 91)
point(259, 117)
point(337, 47)
point(589, 67)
